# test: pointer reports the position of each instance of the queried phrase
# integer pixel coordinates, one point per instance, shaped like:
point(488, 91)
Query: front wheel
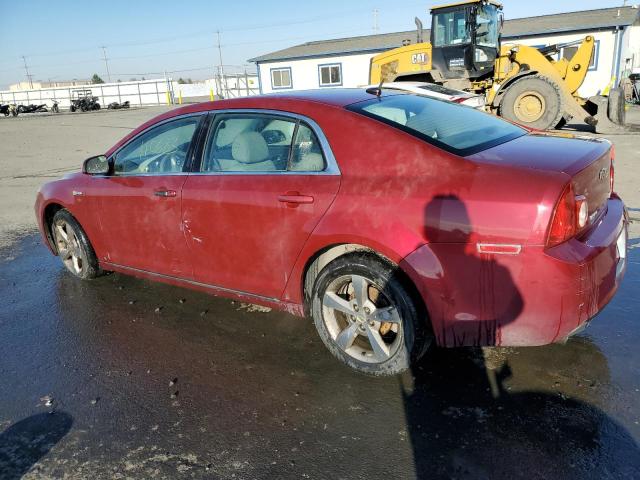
point(366, 317)
point(533, 101)
point(73, 246)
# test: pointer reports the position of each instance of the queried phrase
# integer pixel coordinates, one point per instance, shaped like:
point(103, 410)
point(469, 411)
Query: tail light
point(459, 99)
point(611, 170)
point(582, 212)
point(569, 217)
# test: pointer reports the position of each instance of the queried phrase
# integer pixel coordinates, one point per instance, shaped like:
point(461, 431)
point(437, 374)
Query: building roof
point(602, 18)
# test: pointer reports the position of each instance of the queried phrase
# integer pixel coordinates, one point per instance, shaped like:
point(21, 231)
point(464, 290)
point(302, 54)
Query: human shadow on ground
point(25, 442)
point(463, 419)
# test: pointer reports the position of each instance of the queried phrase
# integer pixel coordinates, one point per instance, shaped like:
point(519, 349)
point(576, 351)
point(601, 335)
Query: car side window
point(248, 143)
point(261, 143)
point(306, 155)
point(161, 150)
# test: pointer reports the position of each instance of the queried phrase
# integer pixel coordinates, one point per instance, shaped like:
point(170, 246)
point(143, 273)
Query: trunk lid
point(586, 160)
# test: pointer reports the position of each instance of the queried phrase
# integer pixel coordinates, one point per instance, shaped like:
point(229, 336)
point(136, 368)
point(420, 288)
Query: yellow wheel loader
point(523, 84)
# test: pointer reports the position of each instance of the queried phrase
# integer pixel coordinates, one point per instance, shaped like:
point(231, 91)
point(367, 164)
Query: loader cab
point(465, 38)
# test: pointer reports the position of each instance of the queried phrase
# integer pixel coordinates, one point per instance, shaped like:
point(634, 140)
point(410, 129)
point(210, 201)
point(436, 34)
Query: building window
point(330, 75)
point(281, 78)
point(568, 53)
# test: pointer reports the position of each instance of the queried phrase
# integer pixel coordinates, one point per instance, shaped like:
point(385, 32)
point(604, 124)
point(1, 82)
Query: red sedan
point(395, 221)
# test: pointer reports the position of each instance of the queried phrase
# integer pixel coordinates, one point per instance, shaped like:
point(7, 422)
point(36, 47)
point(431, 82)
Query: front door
point(262, 186)
point(140, 202)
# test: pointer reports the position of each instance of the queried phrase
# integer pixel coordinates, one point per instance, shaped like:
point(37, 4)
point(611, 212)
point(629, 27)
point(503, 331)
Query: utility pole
point(375, 21)
point(106, 62)
point(221, 68)
point(28, 75)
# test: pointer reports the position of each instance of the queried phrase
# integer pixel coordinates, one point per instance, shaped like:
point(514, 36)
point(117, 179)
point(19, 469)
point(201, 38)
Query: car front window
point(161, 150)
point(454, 128)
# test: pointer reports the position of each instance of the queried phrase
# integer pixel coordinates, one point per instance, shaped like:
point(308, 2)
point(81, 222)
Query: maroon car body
point(474, 232)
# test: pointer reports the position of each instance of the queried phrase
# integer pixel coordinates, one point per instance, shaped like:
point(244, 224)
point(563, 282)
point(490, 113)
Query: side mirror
point(98, 165)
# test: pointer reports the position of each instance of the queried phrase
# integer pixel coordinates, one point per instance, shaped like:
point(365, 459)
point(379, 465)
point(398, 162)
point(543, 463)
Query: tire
point(72, 108)
point(73, 246)
point(360, 341)
point(533, 101)
point(615, 106)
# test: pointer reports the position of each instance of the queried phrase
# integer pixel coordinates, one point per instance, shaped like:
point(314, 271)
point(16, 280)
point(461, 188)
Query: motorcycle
point(32, 108)
point(54, 107)
point(118, 106)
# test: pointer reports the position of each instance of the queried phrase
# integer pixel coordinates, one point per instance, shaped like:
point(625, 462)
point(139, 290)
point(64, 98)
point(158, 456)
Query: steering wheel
point(172, 162)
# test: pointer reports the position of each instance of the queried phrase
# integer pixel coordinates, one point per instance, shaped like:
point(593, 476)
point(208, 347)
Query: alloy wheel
point(362, 321)
point(69, 247)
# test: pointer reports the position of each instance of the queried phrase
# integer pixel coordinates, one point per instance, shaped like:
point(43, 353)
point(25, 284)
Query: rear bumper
point(536, 297)
point(595, 266)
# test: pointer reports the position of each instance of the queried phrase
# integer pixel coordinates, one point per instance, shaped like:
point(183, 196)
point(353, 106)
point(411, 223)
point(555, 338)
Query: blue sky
point(62, 39)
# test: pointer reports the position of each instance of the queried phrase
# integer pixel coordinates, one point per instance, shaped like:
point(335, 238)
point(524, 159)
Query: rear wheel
point(366, 317)
point(73, 246)
point(534, 102)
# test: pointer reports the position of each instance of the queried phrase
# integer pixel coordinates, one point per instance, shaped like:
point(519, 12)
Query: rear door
point(263, 184)
point(140, 201)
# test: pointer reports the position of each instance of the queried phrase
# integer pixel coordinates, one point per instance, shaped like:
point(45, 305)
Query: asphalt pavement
point(125, 378)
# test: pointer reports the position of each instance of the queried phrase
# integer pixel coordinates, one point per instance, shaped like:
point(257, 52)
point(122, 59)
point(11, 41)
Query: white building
point(345, 61)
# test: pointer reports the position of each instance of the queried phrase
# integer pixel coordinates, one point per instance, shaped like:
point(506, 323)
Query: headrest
point(309, 162)
point(249, 147)
point(423, 122)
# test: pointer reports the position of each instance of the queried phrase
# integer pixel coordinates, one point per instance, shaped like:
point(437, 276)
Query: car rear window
point(455, 128)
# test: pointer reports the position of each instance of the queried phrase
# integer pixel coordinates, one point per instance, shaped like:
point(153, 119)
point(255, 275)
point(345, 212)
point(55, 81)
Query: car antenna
point(377, 91)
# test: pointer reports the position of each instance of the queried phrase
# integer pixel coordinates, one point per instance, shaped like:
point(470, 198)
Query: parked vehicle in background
point(84, 101)
point(54, 106)
point(118, 106)
point(395, 220)
point(534, 87)
point(437, 91)
point(8, 109)
point(32, 108)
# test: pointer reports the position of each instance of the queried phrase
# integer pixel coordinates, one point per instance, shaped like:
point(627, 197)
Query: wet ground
point(124, 378)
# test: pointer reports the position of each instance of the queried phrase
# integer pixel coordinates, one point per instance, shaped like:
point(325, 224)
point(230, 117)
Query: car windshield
point(455, 128)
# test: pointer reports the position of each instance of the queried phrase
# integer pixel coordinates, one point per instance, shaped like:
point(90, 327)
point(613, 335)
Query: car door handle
point(294, 198)
point(164, 193)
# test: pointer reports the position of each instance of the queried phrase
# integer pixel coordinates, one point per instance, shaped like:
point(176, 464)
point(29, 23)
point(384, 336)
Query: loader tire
point(615, 106)
point(534, 101)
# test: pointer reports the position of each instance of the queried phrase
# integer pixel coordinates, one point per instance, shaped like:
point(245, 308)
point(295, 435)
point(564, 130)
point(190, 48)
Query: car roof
point(336, 97)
